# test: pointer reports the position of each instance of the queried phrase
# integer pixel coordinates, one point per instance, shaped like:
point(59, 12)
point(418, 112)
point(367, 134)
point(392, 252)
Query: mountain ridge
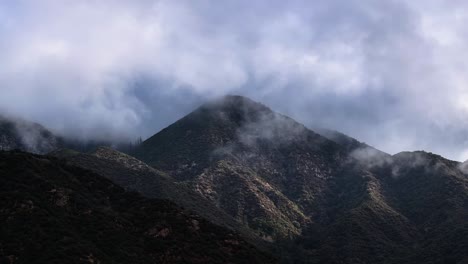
point(29, 136)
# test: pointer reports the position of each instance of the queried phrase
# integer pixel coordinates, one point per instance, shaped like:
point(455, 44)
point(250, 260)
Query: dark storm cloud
point(391, 73)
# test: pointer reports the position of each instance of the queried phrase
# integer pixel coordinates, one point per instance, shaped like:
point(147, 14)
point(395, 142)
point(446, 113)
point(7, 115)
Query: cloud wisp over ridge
point(391, 73)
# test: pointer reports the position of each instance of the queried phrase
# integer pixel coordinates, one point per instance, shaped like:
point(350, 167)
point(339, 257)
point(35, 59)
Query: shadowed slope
point(56, 213)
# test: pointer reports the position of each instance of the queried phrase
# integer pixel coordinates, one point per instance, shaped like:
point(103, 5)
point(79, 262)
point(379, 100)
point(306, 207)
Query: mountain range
point(287, 194)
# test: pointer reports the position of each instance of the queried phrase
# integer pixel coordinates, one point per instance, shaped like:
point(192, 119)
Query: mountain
point(305, 196)
point(135, 175)
point(334, 199)
point(25, 135)
point(262, 168)
point(52, 212)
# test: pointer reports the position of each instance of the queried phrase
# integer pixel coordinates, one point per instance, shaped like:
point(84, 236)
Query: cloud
point(371, 157)
point(391, 73)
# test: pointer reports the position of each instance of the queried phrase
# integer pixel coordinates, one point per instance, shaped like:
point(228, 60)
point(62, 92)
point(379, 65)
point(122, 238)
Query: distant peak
point(417, 153)
point(235, 103)
point(420, 157)
point(235, 98)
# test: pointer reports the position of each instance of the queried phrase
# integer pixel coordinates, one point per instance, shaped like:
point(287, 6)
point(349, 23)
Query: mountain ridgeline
point(285, 193)
point(20, 134)
point(28, 136)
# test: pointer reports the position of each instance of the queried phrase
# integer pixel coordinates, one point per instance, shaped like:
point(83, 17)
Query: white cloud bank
point(392, 73)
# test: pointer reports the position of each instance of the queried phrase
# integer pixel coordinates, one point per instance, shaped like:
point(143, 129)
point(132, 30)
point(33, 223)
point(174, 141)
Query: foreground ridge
point(56, 213)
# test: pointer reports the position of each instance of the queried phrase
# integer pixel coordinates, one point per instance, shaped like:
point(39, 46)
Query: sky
point(391, 73)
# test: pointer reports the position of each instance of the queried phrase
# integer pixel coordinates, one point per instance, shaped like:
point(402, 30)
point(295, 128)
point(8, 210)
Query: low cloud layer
point(391, 73)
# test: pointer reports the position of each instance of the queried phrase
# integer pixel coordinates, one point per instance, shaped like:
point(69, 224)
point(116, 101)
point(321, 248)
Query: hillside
point(56, 213)
point(134, 175)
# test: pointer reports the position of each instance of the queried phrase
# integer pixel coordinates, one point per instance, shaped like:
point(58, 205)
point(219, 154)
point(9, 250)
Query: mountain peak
point(248, 160)
point(222, 123)
point(234, 100)
point(235, 108)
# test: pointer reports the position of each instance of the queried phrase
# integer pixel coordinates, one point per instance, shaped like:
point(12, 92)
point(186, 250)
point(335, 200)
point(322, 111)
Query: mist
point(389, 73)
